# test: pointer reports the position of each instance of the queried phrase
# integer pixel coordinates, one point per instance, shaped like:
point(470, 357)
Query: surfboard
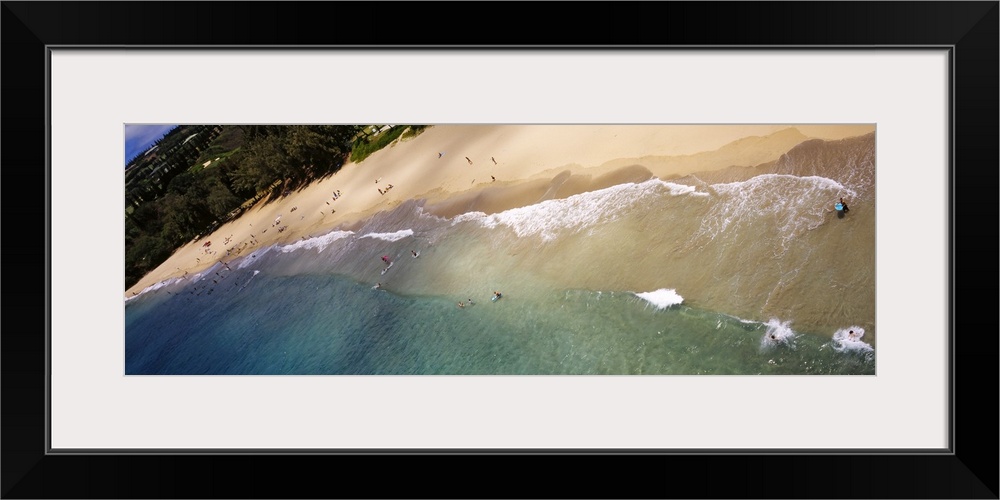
point(496, 297)
point(387, 268)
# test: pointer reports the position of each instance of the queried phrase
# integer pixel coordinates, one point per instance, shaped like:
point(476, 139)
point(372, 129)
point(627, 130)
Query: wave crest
point(395, 236)
point(320, 242)
point(546, 219)
point(662, 298)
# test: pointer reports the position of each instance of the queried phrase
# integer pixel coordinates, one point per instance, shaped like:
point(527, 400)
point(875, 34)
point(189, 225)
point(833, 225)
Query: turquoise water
point(693, 276)
point(325, 324)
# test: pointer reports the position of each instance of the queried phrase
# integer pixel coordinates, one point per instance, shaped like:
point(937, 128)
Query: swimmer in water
point(461, 305)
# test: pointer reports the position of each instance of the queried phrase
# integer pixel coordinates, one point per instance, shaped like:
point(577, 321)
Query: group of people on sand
point(494, 160)
point(336, 196)
point(380, 191)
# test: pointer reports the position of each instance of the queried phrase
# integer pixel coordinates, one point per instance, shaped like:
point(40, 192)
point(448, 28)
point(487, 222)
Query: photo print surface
point(454, 249)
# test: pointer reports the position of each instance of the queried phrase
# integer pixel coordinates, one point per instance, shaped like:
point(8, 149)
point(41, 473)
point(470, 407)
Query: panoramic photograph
point(500, 249)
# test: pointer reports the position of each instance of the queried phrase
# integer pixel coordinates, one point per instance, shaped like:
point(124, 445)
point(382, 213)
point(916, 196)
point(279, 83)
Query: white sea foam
point(778, 333)
point(468, 216)
point(398, 235)
point(580, 211)
point(254, 275)
point(319, 243)
point(844, 341)
point(662, 298)
point(797, 204)
point(155, 286)
point(252, 258)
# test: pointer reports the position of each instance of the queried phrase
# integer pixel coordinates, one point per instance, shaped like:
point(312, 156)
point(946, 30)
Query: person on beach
point(494, 178)
point(470, 302)
point(377, 286)
point(440, 154)
point(844, 205)
point(414, 253)
point(468, 160)
point(496, 294)
point(494, 160)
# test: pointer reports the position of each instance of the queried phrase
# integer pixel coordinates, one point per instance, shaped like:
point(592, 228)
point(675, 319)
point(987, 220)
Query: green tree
point(220, 201)
point(262, 163)
point(146, 253)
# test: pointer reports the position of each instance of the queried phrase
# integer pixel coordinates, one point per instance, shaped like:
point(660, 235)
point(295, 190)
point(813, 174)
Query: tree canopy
point(175, 198)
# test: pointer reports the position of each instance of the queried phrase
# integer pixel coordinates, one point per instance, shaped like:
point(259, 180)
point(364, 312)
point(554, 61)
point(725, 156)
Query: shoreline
point(453, 167)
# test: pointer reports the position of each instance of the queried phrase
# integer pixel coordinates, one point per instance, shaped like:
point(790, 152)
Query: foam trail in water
point(849, 340)
point(398, 235)
point(255, 273)
point(662, 298)
point(319, 243)
point(798, 204)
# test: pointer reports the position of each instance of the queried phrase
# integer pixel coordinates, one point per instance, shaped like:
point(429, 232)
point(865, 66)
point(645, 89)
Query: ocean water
point(737, 272)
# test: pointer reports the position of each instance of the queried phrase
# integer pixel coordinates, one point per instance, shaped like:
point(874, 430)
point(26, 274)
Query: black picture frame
point(968, 470)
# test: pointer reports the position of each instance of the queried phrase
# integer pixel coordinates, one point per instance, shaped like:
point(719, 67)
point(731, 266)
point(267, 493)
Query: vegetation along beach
point(454, 249)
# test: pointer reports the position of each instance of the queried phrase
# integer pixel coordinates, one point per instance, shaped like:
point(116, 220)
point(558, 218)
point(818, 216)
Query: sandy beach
point(491, 168)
